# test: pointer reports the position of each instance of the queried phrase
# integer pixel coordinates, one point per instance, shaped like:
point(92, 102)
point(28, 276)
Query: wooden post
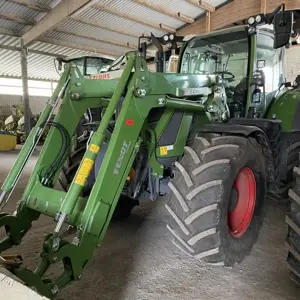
point(263, 6)
point(25, 97)
point(208, 23)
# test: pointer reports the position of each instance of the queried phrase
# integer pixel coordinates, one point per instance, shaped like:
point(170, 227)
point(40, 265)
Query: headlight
point(251, 20)
point(251, 30)
point(258, 19)
point(171, 36)
point(166, 38)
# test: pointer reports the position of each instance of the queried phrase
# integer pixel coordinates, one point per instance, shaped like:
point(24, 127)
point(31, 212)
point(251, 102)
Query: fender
point(287, 109)
point(246, 127)
point(266, 132)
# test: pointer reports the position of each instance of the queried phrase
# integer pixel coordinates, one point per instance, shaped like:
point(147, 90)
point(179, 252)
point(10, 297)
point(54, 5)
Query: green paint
point(284, 108)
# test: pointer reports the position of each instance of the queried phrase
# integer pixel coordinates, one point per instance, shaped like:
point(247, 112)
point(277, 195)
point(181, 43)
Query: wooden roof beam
point(33, 5)
point(13, 48)
point(225, 16)
point(58, 14)
point(80, 35)
point(164, 11)
point(109, 54)
point(103, 26)
point(202, 4)
point(121, 14)
point(17, 19)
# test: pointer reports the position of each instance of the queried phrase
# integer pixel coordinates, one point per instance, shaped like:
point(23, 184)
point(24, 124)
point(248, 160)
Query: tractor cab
point(88, 65)
point(248, 61)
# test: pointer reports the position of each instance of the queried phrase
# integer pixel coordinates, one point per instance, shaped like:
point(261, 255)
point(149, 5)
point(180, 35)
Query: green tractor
point(217, 137)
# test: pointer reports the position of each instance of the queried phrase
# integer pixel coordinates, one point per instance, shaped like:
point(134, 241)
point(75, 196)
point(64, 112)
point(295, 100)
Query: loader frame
point(90, 217)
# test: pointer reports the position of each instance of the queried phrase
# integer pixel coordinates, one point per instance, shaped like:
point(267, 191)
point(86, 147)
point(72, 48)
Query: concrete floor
point(138, 262)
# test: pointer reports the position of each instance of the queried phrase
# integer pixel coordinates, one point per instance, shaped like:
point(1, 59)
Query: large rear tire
point(286, 157)
point(218, 193)
point(293, 222)
point(125, 204)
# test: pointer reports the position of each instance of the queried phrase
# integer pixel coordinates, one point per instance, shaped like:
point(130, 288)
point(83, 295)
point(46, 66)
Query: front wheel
point(125, 204)
point(216, 205)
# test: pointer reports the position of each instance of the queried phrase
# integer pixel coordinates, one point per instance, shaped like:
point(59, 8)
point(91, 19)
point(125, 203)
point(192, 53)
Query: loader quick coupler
point(11, 261)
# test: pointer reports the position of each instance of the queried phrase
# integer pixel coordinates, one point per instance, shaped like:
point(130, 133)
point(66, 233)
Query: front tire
point(124, 205)
point(214, 216)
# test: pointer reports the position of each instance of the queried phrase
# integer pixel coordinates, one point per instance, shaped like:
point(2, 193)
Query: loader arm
point(88, 216)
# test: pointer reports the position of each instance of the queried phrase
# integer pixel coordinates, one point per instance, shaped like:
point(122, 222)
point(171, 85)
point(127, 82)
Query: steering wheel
point(223, 73)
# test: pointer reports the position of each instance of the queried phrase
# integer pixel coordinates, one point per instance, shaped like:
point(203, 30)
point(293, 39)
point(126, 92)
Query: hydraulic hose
point(47, 178)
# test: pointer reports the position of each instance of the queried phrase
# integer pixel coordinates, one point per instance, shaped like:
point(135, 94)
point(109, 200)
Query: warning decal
point(94, 148)
point(84, 171)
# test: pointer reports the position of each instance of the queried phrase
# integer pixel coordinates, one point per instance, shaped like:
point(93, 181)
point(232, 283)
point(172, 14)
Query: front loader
point(212, 136)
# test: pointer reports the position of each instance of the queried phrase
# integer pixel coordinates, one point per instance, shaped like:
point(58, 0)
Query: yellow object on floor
point(8, 141)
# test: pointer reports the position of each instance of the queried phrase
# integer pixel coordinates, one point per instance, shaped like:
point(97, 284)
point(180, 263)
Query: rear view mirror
point(283, 25)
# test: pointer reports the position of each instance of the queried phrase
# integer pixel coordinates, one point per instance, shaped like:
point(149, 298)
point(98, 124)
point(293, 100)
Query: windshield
point(224, 53)
point(91, 65)
point(95, 65)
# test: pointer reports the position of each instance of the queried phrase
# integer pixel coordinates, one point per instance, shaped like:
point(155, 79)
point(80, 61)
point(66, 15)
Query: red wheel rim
point(239, 219)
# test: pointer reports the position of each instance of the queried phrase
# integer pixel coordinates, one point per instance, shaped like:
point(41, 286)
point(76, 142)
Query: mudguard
point(287, 109)
point(246, 127)
point(266, 132)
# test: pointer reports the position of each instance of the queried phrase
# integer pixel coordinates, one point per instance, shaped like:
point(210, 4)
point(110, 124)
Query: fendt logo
point(123, 151)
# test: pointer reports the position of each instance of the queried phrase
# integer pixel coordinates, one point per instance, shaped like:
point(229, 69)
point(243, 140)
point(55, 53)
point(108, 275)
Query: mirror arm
point(270, 18)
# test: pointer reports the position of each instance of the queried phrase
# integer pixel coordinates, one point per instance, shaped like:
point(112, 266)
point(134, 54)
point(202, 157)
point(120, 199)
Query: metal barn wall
point(37, 103)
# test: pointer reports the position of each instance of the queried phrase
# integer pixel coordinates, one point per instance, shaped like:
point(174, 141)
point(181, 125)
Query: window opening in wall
point(12, 86)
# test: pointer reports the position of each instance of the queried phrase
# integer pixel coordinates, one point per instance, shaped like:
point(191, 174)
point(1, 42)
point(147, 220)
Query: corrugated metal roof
point(97, 32)
point(115, 21)
point(84, 41)
point(216, 3)
point(17, 27)
point(137, 10)
point(173, 6)
point(19, 10)
point(41, 66)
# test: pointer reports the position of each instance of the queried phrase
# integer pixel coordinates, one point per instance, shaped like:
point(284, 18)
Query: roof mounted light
point(251, 21)
point(166, 37)
point(258, 18)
